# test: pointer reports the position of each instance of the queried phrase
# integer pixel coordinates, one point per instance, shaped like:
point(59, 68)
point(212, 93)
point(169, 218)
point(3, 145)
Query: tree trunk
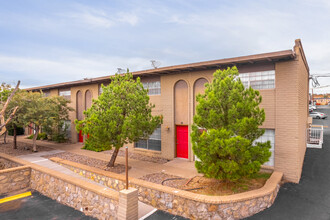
point(15, 137)
point(5, 137)
point(113, 158)
point(34, 148)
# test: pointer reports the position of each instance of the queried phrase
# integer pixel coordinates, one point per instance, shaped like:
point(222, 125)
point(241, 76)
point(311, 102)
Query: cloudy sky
point(46, 42)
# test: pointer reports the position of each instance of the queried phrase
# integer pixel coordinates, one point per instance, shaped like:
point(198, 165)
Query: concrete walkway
point(178, 167)
point(37, 158)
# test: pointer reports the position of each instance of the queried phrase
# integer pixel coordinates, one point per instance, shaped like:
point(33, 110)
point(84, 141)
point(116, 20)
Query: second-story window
point(66, 93)
point(100, 87)
point(46, 93)
point(259, 80)
point(154, 87)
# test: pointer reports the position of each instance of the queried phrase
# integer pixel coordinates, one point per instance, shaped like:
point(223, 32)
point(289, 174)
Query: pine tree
point(225, 129)
point(120, 115)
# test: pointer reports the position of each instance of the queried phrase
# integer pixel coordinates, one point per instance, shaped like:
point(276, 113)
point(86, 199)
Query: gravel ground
point(205, 186)
point(160, 177)
point(100, 164)
point(8, 149)
point(138, 156)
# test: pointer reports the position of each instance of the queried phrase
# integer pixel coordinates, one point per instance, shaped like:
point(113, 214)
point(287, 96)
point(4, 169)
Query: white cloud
point(67, 68)
point(100, 18)
point(130, 18)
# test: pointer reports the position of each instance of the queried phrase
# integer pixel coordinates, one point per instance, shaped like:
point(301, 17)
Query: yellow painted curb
point(22, 195)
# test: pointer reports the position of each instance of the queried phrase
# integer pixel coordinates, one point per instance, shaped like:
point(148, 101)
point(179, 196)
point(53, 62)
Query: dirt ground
point(100, 164)
point(22, 149)
point(208, 186)
point(138, 156)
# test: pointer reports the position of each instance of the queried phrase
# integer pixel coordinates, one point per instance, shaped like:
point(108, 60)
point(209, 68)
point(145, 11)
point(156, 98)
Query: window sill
point(147, 150)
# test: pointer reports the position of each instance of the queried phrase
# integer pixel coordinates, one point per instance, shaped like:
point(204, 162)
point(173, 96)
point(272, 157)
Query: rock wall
point(91, 203)
point(194, 209)
point(183, 203)
point(14, 179)
point(5, 164)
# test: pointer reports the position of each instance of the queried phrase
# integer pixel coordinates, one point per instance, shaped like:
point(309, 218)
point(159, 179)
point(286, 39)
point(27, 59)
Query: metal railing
point(315, 136)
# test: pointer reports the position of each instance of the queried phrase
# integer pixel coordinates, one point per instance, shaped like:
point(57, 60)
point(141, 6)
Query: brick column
point(128, 204)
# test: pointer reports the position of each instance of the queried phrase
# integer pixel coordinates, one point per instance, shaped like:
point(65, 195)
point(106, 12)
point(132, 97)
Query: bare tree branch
point(9, 98)
point(3, 123)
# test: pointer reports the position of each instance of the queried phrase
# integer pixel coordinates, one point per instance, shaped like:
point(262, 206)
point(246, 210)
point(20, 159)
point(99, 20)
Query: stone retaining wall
point(92, 199)
point(184, 203)
point(5, 164)
point(14, 179)
point(102, 205)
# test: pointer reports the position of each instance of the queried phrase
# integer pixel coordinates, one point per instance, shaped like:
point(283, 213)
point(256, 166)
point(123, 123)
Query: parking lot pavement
point(310, 199)
point(161, 215)
point(39, 207)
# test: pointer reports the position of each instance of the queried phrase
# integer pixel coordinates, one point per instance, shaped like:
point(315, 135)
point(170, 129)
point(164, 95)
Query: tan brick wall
point(167, 102)
point(268, 104)
point(94, 89)
point(291, 117)
point(303, 91)
point(286, 135)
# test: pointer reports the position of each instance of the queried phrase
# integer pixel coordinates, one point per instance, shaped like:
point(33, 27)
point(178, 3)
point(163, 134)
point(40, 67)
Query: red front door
point(182, 141)
point(81, 137)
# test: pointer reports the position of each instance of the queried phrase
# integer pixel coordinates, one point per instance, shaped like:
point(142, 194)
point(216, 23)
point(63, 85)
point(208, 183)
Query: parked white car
point(313, 107)
point(318, 115)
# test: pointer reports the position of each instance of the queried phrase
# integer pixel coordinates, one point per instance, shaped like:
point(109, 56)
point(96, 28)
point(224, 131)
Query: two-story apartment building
point(281, 77)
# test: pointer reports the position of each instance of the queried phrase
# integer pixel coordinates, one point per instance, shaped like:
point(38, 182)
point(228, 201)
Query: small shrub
point(59, 138)
point(41, 136)
point(91, 148)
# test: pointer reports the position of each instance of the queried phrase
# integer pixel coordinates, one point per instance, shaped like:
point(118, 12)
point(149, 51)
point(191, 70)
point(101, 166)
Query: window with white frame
point(152, 143)
point(259, 80)
point(67, 128)
point(100, 87)
point(269, 135)
point(66, 93)
point(154, 87)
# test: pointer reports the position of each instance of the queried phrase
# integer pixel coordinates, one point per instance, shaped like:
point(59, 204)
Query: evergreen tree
point(120, 115)
point(225, 129)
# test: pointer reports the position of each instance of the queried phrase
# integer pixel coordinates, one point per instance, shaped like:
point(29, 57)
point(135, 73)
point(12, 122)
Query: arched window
point(181, 103)
point(88, 99)
point(199, 88)
point(80, 105)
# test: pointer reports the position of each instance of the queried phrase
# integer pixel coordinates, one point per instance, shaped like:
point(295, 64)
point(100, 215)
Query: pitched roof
point(264, 57)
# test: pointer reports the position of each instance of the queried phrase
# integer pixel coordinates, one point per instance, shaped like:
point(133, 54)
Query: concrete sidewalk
point(178, 167)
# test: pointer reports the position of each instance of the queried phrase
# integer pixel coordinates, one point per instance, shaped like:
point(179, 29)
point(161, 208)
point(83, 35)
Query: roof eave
point(251, 59)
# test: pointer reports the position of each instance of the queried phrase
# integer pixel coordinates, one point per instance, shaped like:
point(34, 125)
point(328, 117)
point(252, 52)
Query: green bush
point(59, 138)
point(96, 149)
point(41, 136)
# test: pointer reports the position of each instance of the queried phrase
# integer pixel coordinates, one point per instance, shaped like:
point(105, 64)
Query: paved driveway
point(39, 207)
point(310, 199)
